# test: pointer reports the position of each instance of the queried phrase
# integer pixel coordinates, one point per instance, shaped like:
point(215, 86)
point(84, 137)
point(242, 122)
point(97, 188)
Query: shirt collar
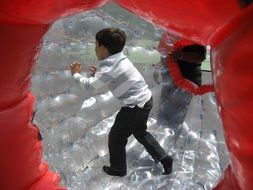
point(113, 58)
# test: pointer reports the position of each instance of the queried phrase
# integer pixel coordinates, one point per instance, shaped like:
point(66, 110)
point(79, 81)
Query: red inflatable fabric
point(221, 24)
point(20, 148)
point(227, 181)
point(232, 58)
point(48, 181)
point(23, 25)
point(46, 11)
point(20, 45)
point(198, 21)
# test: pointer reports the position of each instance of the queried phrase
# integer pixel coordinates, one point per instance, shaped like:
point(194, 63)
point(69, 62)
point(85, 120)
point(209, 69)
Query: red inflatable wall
point(22, 27)
point(233, 77)
point(225, 25)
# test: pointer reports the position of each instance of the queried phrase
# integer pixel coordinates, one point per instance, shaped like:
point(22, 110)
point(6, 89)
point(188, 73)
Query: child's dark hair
point(113, 39)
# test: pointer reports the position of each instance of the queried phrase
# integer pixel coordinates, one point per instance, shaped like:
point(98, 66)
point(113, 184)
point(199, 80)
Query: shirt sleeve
point(96, 82)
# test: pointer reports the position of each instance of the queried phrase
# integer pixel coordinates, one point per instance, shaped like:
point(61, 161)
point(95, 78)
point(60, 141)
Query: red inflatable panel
point(227, 181)
point(20, 45)
point(233, 68)
point(23, 25)
point(222, 24)
point(20, 148)
point(49, 181)
point(46, 11)
point(198, 21)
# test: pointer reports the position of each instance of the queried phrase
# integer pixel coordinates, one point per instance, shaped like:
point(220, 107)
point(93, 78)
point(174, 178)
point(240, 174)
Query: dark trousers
point(127, 122)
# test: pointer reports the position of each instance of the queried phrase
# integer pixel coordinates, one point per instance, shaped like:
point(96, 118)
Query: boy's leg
point(143, 136)
point(147, 140)
point(120, 131)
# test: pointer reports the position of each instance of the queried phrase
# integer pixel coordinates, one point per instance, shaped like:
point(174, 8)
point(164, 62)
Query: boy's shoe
point(109, 171)
point(167, 163)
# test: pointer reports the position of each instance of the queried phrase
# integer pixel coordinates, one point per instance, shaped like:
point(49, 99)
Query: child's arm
point(95, 82)
point(75, 67)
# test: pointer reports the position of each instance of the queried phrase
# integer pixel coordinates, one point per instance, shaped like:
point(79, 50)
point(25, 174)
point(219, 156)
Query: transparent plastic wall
point(74, 123)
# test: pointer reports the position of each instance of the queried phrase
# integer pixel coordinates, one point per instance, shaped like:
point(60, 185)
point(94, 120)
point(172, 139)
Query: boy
point(129, 87)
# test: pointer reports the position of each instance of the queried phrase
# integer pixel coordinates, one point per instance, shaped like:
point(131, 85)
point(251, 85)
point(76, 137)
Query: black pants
point(127, 122)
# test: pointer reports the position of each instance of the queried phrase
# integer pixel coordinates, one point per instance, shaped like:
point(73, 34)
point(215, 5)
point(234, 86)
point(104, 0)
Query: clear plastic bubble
point(75, 123)
point(138, 32)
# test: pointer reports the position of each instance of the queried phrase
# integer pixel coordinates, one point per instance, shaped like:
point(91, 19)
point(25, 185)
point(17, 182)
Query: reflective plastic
point(75, 123)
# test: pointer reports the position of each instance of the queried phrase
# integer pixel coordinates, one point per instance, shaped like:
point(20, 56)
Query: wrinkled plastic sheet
point(75, 133)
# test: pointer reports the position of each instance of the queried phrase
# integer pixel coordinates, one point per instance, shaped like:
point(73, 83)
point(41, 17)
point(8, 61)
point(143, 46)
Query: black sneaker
point(167, 163)
point(109, 171)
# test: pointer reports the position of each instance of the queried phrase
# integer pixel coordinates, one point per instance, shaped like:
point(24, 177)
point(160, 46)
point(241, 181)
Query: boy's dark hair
point(113, 39)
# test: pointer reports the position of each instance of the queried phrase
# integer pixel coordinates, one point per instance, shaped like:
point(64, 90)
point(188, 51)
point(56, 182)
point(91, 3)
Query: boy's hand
point(93, 70)
point(75, 67)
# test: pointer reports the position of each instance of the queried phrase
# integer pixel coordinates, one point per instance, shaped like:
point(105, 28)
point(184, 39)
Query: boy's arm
point(95, 82)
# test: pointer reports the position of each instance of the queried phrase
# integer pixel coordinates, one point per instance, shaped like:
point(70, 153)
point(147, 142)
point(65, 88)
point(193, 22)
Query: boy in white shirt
point(128, 86)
